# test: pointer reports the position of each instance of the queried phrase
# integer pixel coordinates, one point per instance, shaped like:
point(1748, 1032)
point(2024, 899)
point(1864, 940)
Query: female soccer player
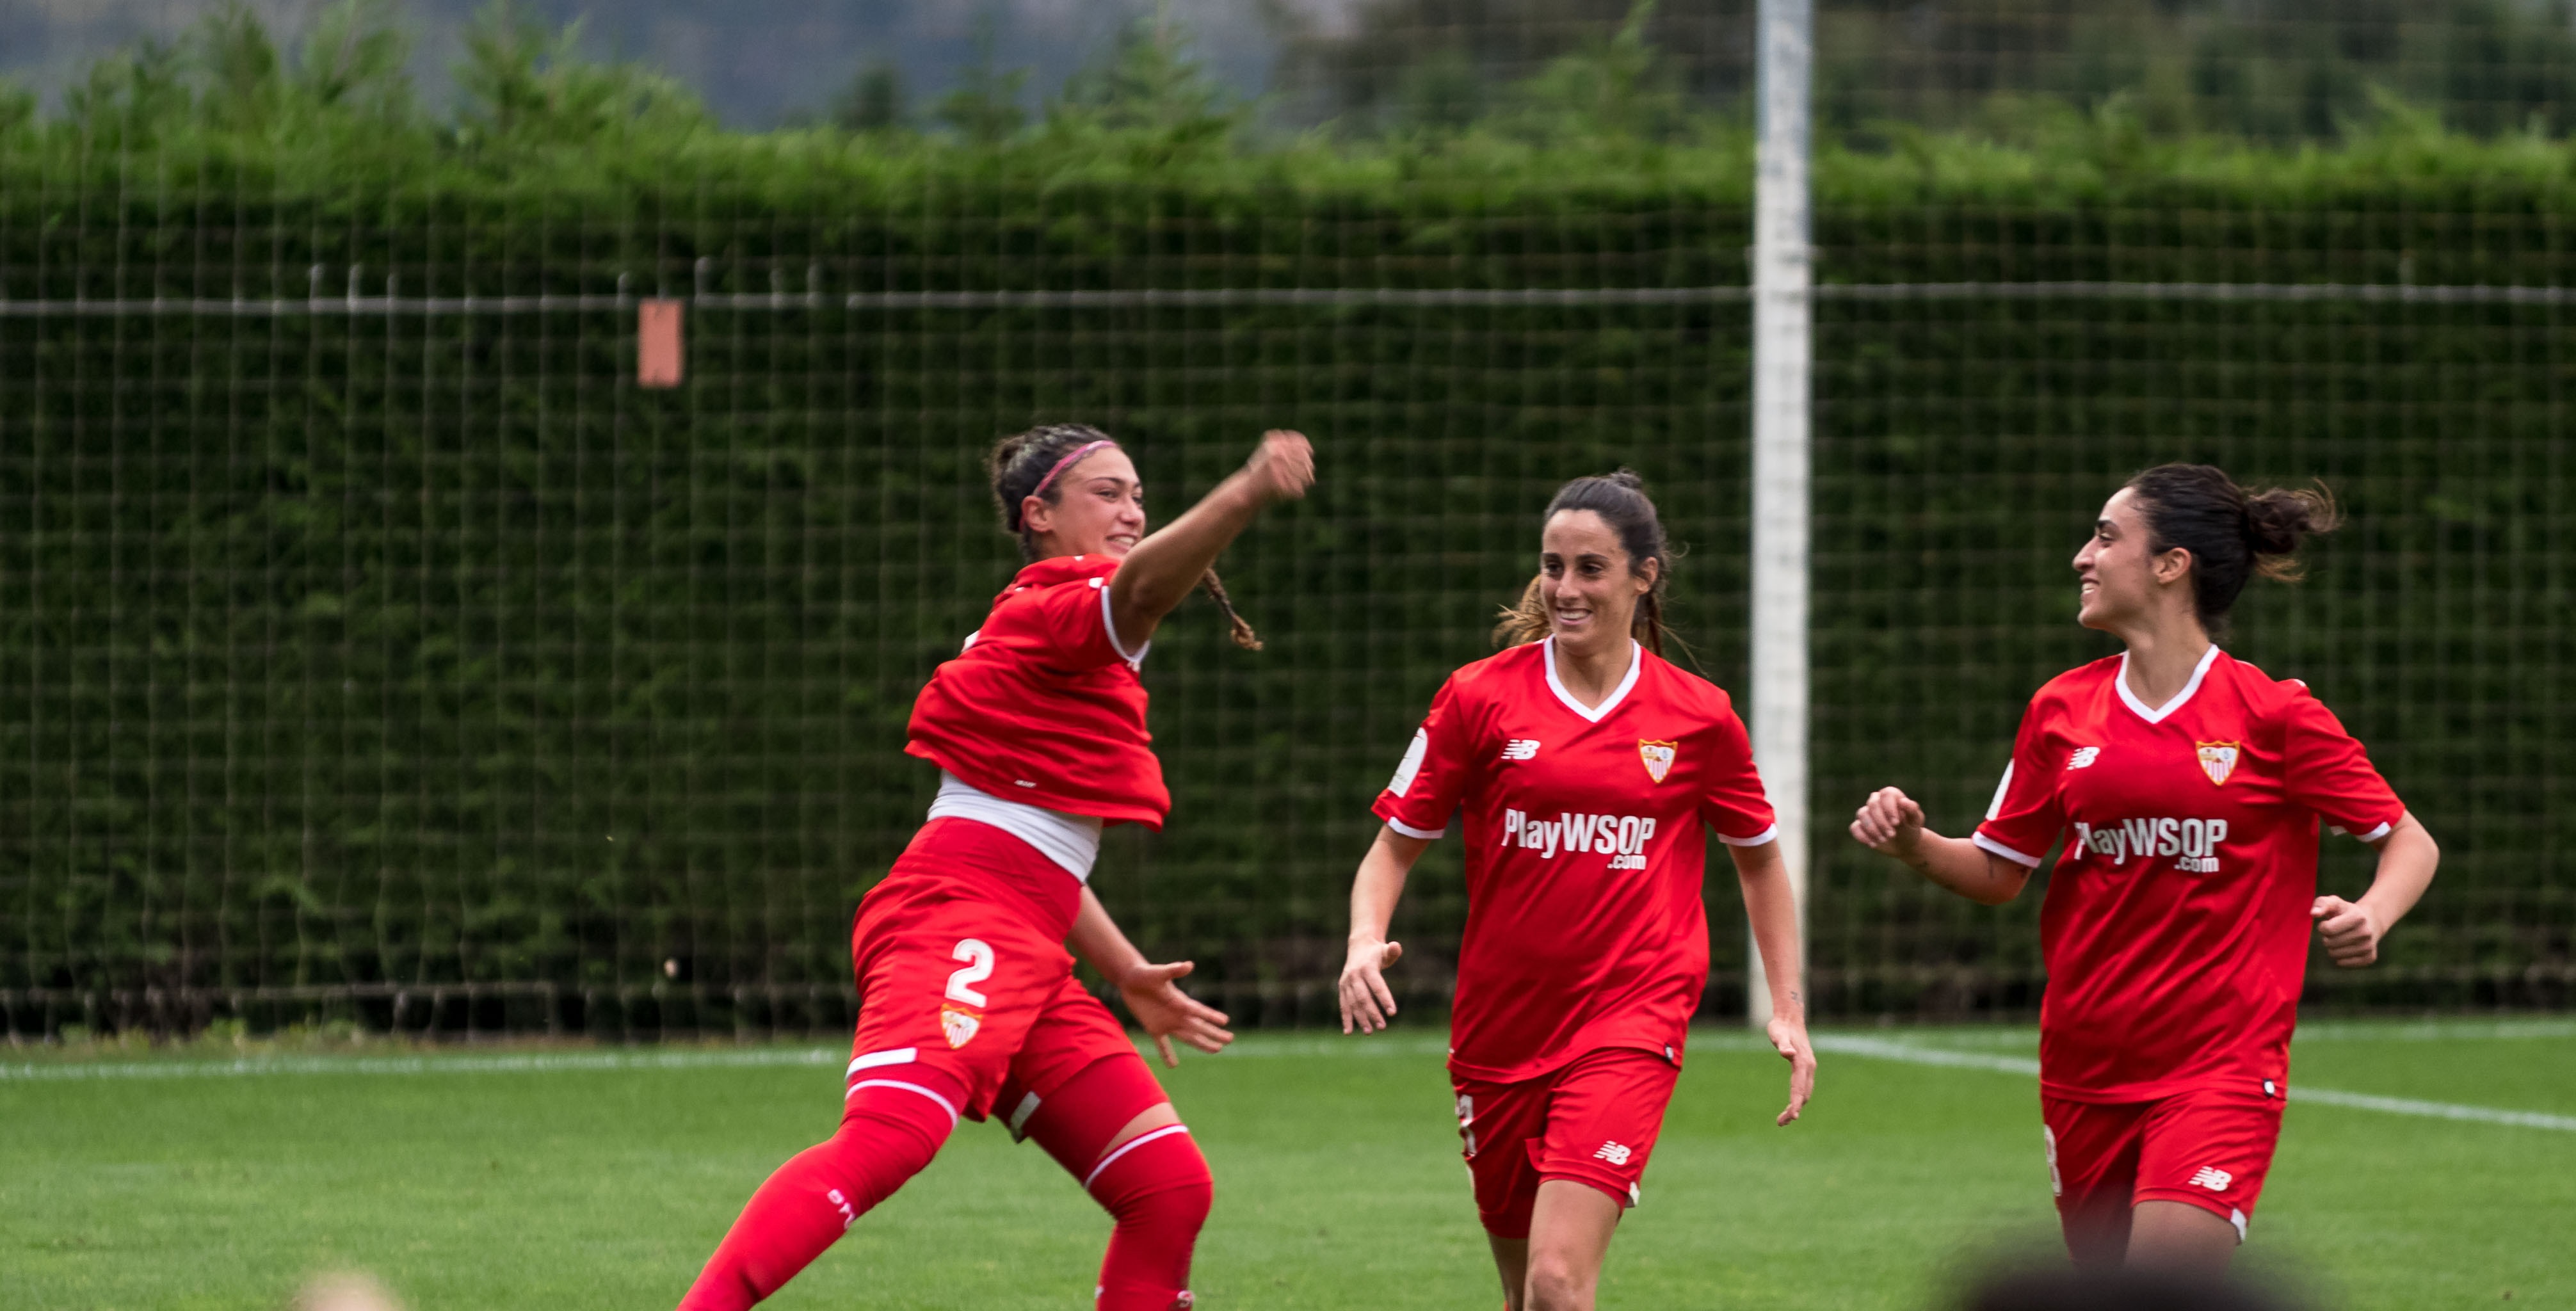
point(2175, 928)
point(967, 1000)
point(1586, 766)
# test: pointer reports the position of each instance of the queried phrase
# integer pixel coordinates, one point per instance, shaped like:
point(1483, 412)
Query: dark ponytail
point(1621, 501)
point(2233, 533)
point(1020, 462)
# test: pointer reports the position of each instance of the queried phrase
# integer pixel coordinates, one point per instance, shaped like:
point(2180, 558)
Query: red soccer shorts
point(2209, 1147)
point(1592, 1120)
point(961, 966)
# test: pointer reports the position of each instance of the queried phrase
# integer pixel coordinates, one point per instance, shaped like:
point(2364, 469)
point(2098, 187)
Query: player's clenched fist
point(1889, 823)
point(2350, 930)
point(1283, 466)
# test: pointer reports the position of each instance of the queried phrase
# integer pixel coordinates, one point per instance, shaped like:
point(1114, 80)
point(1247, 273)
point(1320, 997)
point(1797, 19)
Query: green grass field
point(572, 1178)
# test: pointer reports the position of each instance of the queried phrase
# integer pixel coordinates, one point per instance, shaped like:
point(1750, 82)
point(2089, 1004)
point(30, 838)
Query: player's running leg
point(952, 973)
point(1104, 1118)
point(890, 1128)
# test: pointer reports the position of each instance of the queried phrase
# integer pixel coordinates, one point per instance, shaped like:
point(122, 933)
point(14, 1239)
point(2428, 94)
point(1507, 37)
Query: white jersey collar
point(2157, 715)
point(1595, 714)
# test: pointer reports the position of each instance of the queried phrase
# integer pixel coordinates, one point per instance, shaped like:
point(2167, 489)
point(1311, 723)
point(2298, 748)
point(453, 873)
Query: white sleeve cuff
point(1426, 834)
point(2372, 836)
point(1109, 625)
point(1989, 844)
point(1771, 834)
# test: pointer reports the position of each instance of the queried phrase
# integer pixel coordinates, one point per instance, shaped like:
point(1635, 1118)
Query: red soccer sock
point(889, 1130)
point(1158, 1187)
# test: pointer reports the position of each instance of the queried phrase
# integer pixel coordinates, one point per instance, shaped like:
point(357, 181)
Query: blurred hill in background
point(2269, 70)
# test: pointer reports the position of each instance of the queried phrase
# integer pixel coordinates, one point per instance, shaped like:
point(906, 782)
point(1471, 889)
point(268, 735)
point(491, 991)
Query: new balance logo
point(1614, 1153)
point(1521, 748)
point(2083, 757)
point(2213, 1179)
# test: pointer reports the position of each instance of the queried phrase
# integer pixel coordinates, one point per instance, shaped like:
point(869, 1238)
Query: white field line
point(1880, 1049)
point(526, 1063)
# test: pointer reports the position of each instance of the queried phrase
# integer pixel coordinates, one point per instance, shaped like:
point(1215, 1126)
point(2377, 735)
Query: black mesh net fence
point(373, 647)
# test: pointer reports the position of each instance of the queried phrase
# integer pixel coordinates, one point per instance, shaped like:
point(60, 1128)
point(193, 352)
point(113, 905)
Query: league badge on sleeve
point(1658, 757)
point(2217, 759)
point(959, 1026)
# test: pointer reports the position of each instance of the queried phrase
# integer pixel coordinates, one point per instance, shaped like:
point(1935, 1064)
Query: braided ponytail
point(1240, 630)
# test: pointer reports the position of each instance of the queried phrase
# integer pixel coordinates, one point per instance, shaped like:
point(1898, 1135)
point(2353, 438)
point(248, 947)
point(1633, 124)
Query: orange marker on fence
point(657, 343)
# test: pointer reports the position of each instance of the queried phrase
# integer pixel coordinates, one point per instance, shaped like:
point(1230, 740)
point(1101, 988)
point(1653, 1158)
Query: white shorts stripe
point(1020, 1114)
point(1131, 1145)
point(890, 1056)
point(944, 1103)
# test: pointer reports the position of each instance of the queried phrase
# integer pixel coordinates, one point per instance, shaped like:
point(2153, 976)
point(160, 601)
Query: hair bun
point(2277, 519)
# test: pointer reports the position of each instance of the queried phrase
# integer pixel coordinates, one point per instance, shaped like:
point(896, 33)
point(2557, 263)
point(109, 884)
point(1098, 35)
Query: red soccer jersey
point(1584, 852)
point(2176, 925)
point(1043, 706)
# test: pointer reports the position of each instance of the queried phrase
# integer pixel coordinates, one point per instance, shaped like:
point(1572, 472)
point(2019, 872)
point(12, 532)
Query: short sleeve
point(1735, 805)
point(2327, 771)
point(1070, 621)
point(2024, 819)
point(1432, 778)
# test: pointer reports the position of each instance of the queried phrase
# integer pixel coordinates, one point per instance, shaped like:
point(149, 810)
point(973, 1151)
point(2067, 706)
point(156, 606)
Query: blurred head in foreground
point(2111, 1288)
point(344, 1291)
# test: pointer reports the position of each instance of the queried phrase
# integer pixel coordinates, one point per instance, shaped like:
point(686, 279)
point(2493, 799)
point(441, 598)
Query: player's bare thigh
point(1558, 1267)
point(2181, 1237)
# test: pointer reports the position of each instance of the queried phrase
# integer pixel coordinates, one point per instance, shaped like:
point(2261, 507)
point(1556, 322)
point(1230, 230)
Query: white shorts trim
point(1771, 834)
point(1019, 1121)
point(1128, 1146)
point(1426, 834)
point(1989, 844)
point(944, 1103)
point(890, 1056)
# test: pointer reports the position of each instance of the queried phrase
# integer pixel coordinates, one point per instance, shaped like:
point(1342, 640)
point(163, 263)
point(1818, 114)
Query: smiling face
point(2119, 581)
point(1585, 582)
point(1099, 508)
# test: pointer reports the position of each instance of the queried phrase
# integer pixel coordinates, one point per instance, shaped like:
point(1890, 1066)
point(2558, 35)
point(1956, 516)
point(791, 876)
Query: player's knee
point(1555, 1284)
point(1158, 1179)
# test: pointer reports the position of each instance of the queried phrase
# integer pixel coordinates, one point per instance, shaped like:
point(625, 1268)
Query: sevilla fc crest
point(960, 1026)
point(2217, 759)
point(1658, 757)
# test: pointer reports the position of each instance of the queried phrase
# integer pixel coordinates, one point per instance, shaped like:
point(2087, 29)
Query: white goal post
point(1783, 347)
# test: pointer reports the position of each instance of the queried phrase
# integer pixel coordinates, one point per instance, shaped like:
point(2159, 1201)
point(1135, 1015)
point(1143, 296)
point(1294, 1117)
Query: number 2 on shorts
point(979, 967)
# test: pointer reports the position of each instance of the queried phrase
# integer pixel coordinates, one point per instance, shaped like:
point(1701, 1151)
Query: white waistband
point(1071, 841)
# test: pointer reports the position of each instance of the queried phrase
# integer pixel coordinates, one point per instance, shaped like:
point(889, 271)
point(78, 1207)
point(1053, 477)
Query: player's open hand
point(1889, 823)
point(1283, 466)
point(1366, 1000)
point(1789, 1038)
point(2350, 929)
point(1166, 1012)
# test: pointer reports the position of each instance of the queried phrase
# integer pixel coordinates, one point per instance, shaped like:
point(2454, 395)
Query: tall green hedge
point(421, 668)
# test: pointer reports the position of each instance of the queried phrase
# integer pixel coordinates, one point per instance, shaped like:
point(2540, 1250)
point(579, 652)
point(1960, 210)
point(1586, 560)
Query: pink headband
point(1067, 462)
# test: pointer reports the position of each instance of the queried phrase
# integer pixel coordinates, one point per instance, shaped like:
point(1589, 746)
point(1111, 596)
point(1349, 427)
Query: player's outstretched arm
point(2351, 930)
point(1366, 1000)
point(1772, 908)
point(1152, 992)
point(1159, 573)
point(1891, 824)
